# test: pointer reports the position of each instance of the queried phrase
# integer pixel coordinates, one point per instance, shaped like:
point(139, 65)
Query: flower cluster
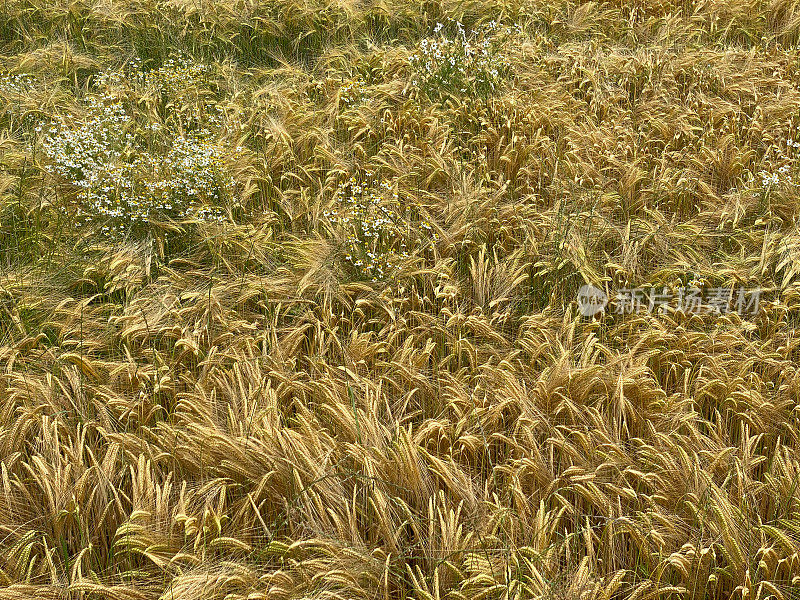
point(173, 76)
point(179, 87)
point(783, 175)
point(456, 61)
point(352, 93)
point(208, 214)
point(17, 84)
point(125, 177)
point(378, 231)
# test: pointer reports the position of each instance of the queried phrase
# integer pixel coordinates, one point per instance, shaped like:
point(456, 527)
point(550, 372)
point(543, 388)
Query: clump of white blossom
point(15, 92)
point(378, 230)
point(173, 76)
point(352, 93)
point(782, 176)
point(454, 60)
point(16, 84)
point(127, 174)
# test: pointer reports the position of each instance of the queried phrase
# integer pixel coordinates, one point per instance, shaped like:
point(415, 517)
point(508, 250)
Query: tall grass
point(303, 323)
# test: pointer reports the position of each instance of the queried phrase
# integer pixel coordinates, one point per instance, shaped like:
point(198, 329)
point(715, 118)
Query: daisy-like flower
point(123, 182)
point(378, 231)
point(461, 60)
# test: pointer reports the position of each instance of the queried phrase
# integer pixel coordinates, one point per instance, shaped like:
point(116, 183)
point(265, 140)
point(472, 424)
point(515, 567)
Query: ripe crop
point(311, 299)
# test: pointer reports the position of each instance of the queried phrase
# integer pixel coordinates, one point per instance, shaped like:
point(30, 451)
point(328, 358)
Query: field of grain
point(289, 299)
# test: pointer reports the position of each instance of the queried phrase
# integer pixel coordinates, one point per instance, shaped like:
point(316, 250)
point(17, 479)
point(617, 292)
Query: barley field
point(291, 299)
